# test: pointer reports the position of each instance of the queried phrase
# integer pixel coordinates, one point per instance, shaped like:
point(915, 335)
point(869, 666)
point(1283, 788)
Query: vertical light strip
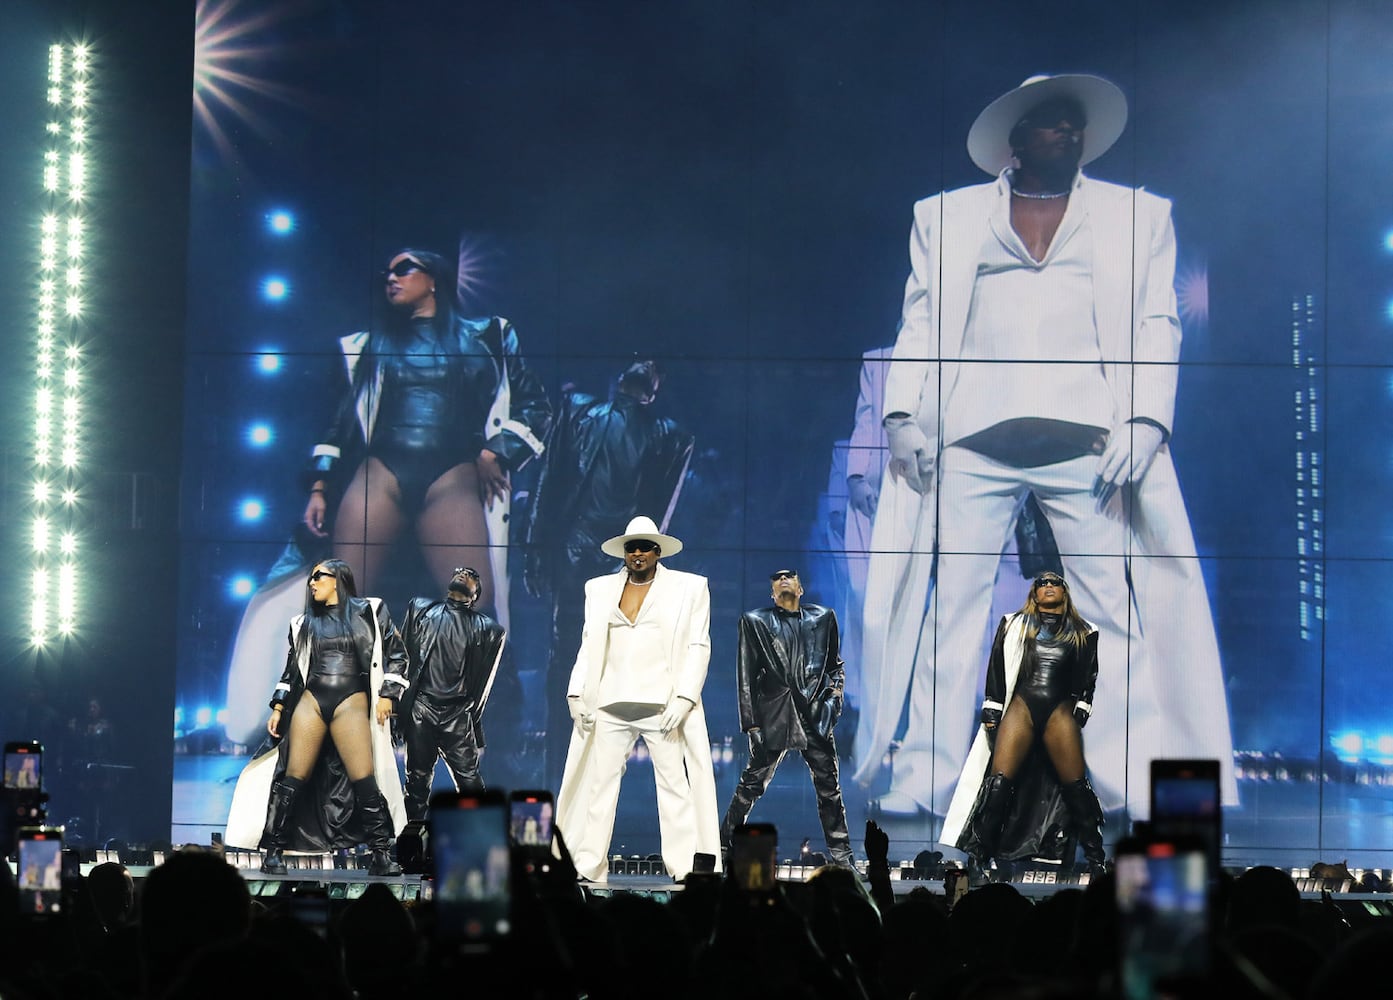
point(54, 503)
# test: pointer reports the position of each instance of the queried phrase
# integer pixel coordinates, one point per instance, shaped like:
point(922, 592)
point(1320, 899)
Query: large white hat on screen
point(989, 139)
point(641, 528)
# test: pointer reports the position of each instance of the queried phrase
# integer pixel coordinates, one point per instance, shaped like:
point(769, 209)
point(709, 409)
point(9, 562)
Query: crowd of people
point(194, 930)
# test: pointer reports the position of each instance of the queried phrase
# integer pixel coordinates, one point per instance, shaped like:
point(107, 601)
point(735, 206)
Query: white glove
point(1130, 451)
point(910, 454)
point(578, 716)
point(674, 714)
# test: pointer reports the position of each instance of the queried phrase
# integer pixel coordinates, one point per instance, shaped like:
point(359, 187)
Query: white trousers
point(617, 730)
point(978, 502)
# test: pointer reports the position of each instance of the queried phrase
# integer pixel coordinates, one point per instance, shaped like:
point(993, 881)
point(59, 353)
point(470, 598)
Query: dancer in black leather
point(329, 742)
point(453, 651)
point(1035, 799)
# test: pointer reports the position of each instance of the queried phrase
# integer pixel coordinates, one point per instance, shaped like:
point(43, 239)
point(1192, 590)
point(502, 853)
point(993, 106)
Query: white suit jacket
point(678, 605)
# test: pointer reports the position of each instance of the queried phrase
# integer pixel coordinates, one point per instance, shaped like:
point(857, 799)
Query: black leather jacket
point(606, 462)
point(786, 691)
point(481, 349)
point(365, 626)
point(453, 654)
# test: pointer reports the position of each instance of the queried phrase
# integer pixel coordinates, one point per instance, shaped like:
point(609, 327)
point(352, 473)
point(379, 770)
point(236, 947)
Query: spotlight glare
point(41, 491)
point(281, 222)
point(202, 717)
point(252, 509)
point(1388, 241)
point(268, 363)
point(260, 435)
point(242, 586)
point(1350, 743)
point(275, 289)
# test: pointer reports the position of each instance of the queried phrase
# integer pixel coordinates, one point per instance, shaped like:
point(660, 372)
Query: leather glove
point(578, 715)
point(861, 495)
point(675, 713)
point(1081, 715)
point(756, 736)
point(1129, 452)
point(910, 454)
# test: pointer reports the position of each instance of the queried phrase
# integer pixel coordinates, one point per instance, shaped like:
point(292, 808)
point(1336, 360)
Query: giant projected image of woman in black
point(436, 410)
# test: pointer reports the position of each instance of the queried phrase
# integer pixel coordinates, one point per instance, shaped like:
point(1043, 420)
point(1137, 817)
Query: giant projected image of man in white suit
point(1038, 353)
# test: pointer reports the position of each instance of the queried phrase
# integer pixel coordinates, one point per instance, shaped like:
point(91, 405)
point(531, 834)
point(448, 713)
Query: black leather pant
point(425, 743)
point(821, 757)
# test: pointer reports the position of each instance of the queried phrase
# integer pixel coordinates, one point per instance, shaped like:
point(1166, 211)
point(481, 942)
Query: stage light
point(202, 717)
point(260, 435)
point(268, 363)
point(61, 304)
point(1384, 745)
point(275, 289)
point(242, 586)
point(252, 509)
point(1350, 743)
point(1388, 241)
point(281, 223)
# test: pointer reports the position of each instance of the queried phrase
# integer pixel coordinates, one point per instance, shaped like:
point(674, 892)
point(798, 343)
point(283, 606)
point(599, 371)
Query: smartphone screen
point(24, 765)
point(1185, 803)
point(753, 856)
point(39, 871)
point(469, 843)
point(1163, 906)
point(530, 817)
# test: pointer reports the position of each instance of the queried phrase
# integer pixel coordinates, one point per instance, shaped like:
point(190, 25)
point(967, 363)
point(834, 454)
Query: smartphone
point(469, 835)
point(530, 817)
point(1164, 915)
point(1185, 803)
point(24, 765)
point(753, 854)
point(39, 870)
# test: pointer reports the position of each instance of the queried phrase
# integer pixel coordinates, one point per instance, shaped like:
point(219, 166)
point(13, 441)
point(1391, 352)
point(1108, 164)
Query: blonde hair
point(1075, 627)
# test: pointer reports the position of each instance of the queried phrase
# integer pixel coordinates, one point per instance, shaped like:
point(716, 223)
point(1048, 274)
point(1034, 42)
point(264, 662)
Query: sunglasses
point(783, 574)
point(640, 545)
point(1049, 119)
point(1048, 581)
point(319, 574)
point(403, 267)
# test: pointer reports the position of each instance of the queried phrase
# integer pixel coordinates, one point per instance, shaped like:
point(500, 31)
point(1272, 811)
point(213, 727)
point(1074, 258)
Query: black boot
point(377, 822)
point(987, 821)
point(278, 809)
point(1086, 815)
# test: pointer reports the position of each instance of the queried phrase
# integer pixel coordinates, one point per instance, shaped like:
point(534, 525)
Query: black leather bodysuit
point(1048, 679)
point(432, 412)
point(334, 671)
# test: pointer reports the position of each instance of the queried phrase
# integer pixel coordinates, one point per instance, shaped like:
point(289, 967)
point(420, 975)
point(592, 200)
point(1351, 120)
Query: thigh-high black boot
point(1086, 815)
point(377, 821)
point(278, 809)
point(987, 821)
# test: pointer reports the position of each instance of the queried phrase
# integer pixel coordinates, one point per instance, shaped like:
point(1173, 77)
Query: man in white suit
point(1038, 353)
point(642, 663)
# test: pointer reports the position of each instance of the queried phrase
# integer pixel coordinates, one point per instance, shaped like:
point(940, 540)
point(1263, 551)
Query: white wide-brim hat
point(641, 528)
point(989, 139)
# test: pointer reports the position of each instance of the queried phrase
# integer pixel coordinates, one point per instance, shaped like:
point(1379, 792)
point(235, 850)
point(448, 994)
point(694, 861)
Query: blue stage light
point(268, 363)
point(275, 289)
point(1388, 241)
point(260, 435)
point(252, 509)
point(280, 222)
point(242, 586)
point(202, 717)
point(1350, 743)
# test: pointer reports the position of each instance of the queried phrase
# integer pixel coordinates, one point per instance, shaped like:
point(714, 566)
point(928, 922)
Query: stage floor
point(1276, 825)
